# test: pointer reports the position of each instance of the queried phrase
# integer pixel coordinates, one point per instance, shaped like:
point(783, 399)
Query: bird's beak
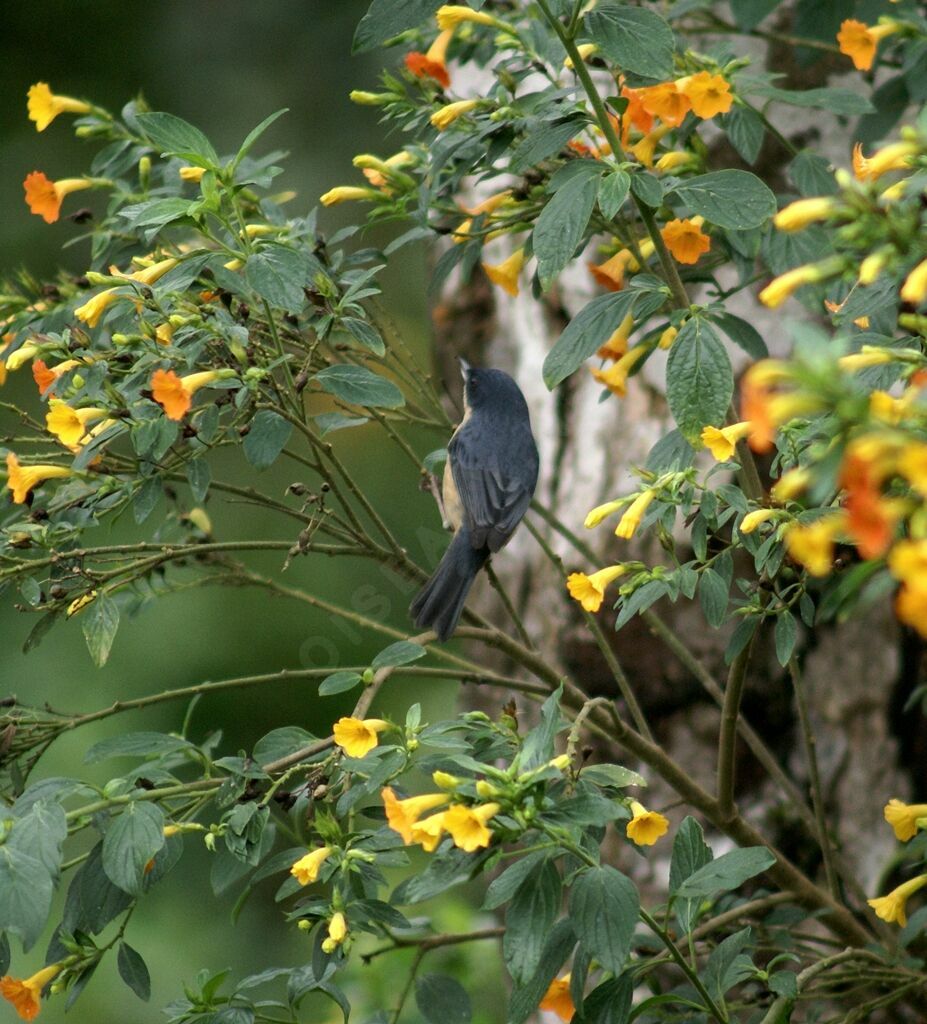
point(464, 367)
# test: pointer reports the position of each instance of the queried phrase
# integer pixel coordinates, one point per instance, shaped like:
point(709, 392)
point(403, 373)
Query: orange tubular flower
point(666, 102)
point(21, 480)
point(707, 93)
point(685, 239)
point(871, 519)
point(610, 274)
point(615, 378)
point(617, 344)
point(44, 196)
point(44, 106)
point(432, 63)
point(557, 999)
point(646, 148)
point(26, 995)
point(859, 41)
point(175, 394)
point(636, 114)
point(505, 274)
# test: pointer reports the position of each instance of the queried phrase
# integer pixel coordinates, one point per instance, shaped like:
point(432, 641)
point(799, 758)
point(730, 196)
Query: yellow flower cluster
point(467, 826)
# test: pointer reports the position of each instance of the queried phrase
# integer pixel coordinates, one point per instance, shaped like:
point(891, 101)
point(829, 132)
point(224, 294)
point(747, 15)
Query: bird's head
point(486, 389)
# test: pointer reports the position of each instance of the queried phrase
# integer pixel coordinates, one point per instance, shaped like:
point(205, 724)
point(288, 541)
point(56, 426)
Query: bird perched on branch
point(489, 479)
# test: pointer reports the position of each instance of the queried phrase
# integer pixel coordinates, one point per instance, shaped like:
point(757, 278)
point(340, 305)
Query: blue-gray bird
point(489, 479)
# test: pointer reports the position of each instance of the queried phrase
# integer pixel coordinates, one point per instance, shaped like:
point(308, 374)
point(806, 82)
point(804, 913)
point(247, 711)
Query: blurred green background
point(224, 66)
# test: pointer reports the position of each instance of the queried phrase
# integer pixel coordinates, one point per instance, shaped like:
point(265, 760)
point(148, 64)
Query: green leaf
point(25, 894)
point(699, 379)
point(255, 134)
point(338, 682)
point(93, 901)
point(561, 225)
point(889, 102)
point(503, 888)
point(604, 906)
point(198, 477)
point(749, 13)
point(266, 439)
point(728, 965)
point(590, 328)
point(746, 130)
point(400, 653)
point(609, 1003)
point(442, 1000)
point(647, 188)
point(737, 200)
point(525, 998)
point(359, 386)
point(364, 333)
point(538, 746)
point(133, 971)
point(743, 334)
point(634, 38)
point(99, 621)
point(727, 872)
point(613, 190)
point(542, 140)
point(529, 919)
point(171, 134)
point(812, 174)
point(136, 744)
point(672, 451)
point(387, 18)
point(279, 275)
point(786, 635)
point(837, 101)
point(131, 841)
point(690, 852)
point(328, 422)
point(712, 593)
point(612, 775)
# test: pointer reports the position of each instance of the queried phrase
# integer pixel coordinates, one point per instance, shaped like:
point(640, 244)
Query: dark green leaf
point(743, 334)
point(93, 901)
point(25, 894)
point(133, 971)
point(812, 174)
point(330, 421)
point(528, 921)
point(542, 141)
point(266, 439)
point(604, 906)
point(171, 134)
point(749, 13)
point(610, 1003)
point(99, 622)
point(727, 872)
point(838, 101)
point(136, 744)
point(359, 386)
point(503, 888)
point(890, 101)
point(338, 682)
point(613, 775)
point(731, 199)
point(613, 190)
point(727, 966)
point(712, 592)
point(443, 872)
point(561, 225)
point(400, 653)
point(699, 379)
point(256, 133)
point(279, 275)
point(387, 18)
point(525, 998)
point(590, 328)
point(786, 635)
point(690, 853)
point(648, 188)
point(672, 451)
point(634, 38)
point(198, 477)
point(745, 129)
point(442, 1000)
point(538, 746)
point(364, 333)
point(131, 841)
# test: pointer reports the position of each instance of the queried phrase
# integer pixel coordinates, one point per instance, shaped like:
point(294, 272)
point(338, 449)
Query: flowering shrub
point(212, 319)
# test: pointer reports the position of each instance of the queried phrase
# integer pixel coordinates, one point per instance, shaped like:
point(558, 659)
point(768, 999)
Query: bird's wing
point(493, 501)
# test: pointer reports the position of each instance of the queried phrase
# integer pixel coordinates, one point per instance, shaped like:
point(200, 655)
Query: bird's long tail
point(441, 600)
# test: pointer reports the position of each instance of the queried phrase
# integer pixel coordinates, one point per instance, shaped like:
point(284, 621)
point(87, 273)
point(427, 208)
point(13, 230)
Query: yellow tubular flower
point(444, 780)
point(191, 173)
point(306, 869)
point(912, 463)
point(585, 50)
point(557, 999)
point(905, 819)
point(753, 519)
point(615, 378)
point(452, 15)
point(337, 932)
point(891, 908)
point(80, 602)
point(709, 94)
point(645, 827)
point(348, 193)
point(467, 825)
point(784, 286)
point(401, 815)
point(792, 483)
point(428, 832)
point(26, 995)
point(590, 590)
point(601, 512)
point(896, 156)
point(668, 337)
point(445, 116)
point(868, 355)
point(908, 560)
point(872, 266)
point(859, 41)
point(358, 737)
point(803, 212)
point(674, 160)
point(91, 311)
point(617, 344)
point(70, 425)
point(914, 289)
point(631, 520)
point(722, 442)
point(44, 106)
point(812, 544)
point(22, 480)
point(644, 149)
point(505, 274)
point(21, 356)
